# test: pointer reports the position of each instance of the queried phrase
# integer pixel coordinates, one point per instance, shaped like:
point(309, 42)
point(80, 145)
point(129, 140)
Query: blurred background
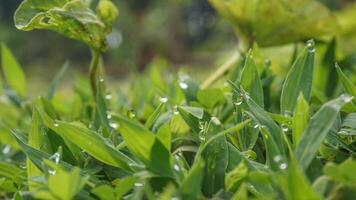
point(177, 32)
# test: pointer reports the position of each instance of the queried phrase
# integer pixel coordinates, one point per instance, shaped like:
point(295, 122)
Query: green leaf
point(300, 119)
point(347, 83)
point(343, 173)
point(37, 141)
point(72, 18)
point(104, 192)
point(235, 177)
point(191, 185)
point(56, 79)
point(124, 185)
point(295, 186)
point(65, 185)
point(250, 80)
point(145, 146)
point(210, 97)
point(262, 21)
point(298, 80)
point(88, 140)
point(13, 73)
point(319, 126)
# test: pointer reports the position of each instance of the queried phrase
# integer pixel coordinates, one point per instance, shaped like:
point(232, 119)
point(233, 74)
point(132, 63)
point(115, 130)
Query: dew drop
point(6, 149)
point(311, 45)
point(277, 158)
point(283, 166)
point(346, 98)
point(183, 85)
point(176, 167)
point(108, 96)
point(108, 116)
point(284, 128)
point(113, 125)
point(163, 99)
point(138, 184)
point(215, 120)
point(51, 171)
point(101, 79)
point(55, 125)
point(256, 125)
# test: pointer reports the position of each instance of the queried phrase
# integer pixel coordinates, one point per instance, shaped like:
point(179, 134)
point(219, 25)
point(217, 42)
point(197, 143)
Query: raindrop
point(277, 158)
point(256, 125)
point(346, 98)
point(163, 99)
point(215, 120)
point(56, 157)
point(284, 127)
point(108, 96)
point(51, 171)
point(183, 85)
point(283, 166)
point(113, 125)
point(138, 184)
point(6, 149)
point(311, 45)
point(176, 167)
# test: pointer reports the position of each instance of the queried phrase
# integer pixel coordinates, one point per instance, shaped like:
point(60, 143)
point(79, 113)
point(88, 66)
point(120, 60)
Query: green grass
point(245, 132)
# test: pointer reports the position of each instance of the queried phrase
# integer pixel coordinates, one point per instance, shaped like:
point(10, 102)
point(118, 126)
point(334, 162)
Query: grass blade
point(299, 79)
point(13, 73)
point(319, 126)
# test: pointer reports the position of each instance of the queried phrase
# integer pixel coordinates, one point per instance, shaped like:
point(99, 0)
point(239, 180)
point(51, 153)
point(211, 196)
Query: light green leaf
point(300, 119)
point(145, 146)
point(275, 22)
point(13, 73)
point(295, 185)
point(191, 185)
point(343, 173)
point(210, 97)
point(250, 80)
point(88, 140)
point(346, 82)
point(298, 80)
point(65, 185)
point(319, 126)
point(72, 18)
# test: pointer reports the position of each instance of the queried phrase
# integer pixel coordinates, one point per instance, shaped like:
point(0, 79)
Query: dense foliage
point(246, 132)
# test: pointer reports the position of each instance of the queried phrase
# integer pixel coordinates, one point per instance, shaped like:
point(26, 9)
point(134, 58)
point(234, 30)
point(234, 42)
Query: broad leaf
point(72, 18)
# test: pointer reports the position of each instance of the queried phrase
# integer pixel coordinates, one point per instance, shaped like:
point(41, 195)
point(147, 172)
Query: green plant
point(260, 135)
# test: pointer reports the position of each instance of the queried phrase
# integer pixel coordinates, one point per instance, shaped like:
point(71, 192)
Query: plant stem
point(93, 70)
point(222, 70)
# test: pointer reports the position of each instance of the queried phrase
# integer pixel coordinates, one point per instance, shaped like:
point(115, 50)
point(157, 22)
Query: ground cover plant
point(244, 132)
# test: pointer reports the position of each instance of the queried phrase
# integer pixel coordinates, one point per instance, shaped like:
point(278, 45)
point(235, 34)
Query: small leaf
point(319, 126)
point(13, 73)
point(250, 80)
point(191, 185)
point(343, 173)
point(298, 80)
point(210, 97)
point(56, 79)
point(347, 83)
point(90, 141)
point(300, 119)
